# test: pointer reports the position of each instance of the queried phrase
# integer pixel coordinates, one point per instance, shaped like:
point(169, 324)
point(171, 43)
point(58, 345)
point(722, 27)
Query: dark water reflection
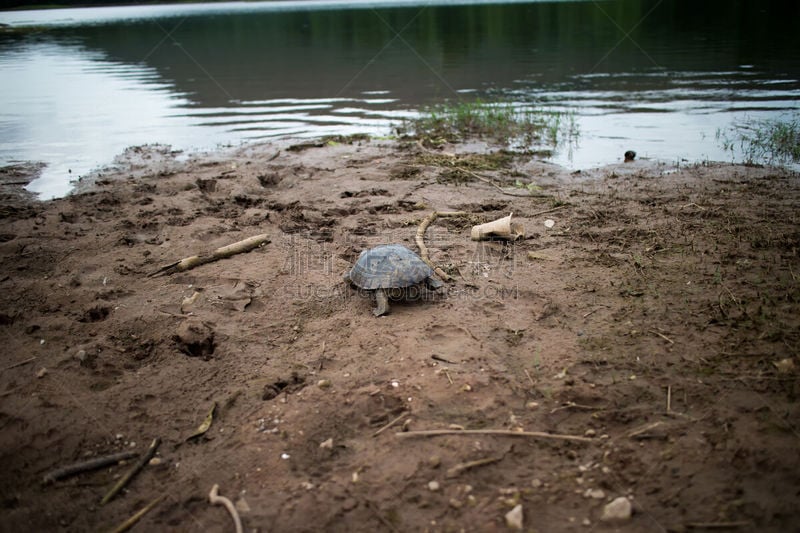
point(656, 76)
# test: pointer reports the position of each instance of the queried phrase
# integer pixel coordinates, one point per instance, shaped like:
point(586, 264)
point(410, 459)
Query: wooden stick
point(717, 525)
point(188, 263)
point(130, 522)
point(420, 239)
point(151, 451)
point(669, 398)
point(19, 363)
point(501, 432)
point(536, 214)
point(390, 424)
point(461, 467)
point(528, 375)
point(216, 499)
point(499, 188)
point(662, 336)
point(85, 466)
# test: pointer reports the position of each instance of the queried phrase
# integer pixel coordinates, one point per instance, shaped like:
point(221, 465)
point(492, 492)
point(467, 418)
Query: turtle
point(390, 270)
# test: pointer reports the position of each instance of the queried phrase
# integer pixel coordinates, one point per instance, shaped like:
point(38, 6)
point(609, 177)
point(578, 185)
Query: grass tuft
point(499, 121)
point(768, 141)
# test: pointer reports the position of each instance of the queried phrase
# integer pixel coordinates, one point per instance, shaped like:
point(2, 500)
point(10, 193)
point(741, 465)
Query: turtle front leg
point(381, 303)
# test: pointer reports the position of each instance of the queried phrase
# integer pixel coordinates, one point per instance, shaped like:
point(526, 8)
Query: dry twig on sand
point(499, 188)
point(390, 424)
point(462, 467)
point(500, 432)
point(130, 522)
point(188, 263)
point(85, 466)
point(143, 460)
point(216, 499)
point(420, 239)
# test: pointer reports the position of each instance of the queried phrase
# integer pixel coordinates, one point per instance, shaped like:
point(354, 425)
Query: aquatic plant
point(504, 122)
point(768, 141)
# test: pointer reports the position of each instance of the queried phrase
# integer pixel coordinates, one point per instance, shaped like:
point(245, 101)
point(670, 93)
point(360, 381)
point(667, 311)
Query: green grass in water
point(770, 141)
point(498, 121)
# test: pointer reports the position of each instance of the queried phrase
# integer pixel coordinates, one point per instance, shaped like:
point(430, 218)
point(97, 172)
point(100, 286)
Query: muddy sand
point(657, 320)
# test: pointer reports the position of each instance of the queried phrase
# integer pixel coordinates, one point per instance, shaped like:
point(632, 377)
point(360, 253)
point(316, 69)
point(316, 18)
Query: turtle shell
point(387, 267)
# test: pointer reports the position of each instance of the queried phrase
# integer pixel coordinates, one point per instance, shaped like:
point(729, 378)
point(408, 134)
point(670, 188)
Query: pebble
point(514, 518)
point(589, 433)
point(41, 373)
point(597, 494)
point(433, 486)
point(242, 506)
point(81, 355)
point(155, 461)
point(536, 483)
point(532, 405)
point(327, 445)
point(324, 383)
point(618, 510)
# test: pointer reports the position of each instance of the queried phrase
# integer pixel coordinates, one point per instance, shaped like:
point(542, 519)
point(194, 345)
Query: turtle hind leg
point(381, 303)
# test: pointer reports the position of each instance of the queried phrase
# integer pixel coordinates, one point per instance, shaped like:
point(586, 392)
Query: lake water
point(656, 76)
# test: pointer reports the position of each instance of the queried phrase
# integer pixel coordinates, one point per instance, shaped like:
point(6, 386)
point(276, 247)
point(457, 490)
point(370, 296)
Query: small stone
point(532, 406)
point(285, 456)
point(596, 494)
point(324, 384)
point(455, 504)
point(242, 506)
point(785, 366)
point(466, 387)
point(155, 461)
point(327, 445)
point(41, 373)
point(307, 485)
point(589, 433)
point(433, 486)
point(434, 461)
point(586, 522)
point(536, 483)
point(514, 518)
point(81, 355)
point(617, 511)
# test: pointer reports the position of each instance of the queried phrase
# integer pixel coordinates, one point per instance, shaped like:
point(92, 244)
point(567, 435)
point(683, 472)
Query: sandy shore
point(659, 318)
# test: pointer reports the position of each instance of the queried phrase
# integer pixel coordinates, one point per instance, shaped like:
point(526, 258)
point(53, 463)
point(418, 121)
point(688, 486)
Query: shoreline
point(654, 320)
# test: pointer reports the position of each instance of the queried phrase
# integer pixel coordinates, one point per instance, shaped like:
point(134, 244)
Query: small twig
point(216, 499)
point(669, 398)
point(321, 357)
point(130, 522)
point(573, 405)
point(461, 467)
point(562, 206)
point(446, 373)
point(718, 525)
point(390, 424)
point(19, 363)
point(662, 336)
point(85, 466)
point(443, 360)
point(151, 451)
point(639, 432)
point(500, 432)
point(170, 313)
point(499, 188)
point(527, 374)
